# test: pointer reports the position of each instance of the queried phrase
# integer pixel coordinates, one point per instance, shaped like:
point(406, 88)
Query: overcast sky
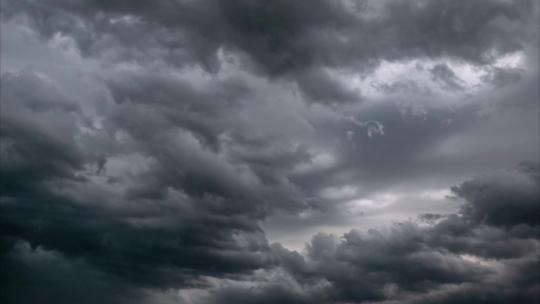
point(269, 151)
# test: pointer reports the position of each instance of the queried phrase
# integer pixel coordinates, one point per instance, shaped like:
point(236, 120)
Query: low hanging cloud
point(185, 151)
point(471, 255)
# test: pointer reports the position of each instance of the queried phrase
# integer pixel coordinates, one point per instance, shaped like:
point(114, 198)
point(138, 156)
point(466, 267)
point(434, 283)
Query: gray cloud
point(46, 202)
point(282, 37)
point(444, 75)
point(150, 151)
point(501, 77)
point(439, 263)
point(491, 198)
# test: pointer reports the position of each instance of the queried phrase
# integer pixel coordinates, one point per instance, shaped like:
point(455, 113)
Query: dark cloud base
point(145, 146)
point(487, 253)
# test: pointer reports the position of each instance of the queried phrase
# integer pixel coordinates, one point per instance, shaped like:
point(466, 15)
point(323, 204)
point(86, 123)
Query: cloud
point(500, 77)
point(141, 233)
point(443, 74)
point(283, 38)
point(460, 257)
point(164, 152)
point(318, 86)
point(39, 275)
point(510, 198)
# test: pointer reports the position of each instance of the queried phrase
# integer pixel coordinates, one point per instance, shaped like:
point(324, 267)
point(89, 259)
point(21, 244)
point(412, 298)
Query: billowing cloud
point(186, 151)
point(472, 255)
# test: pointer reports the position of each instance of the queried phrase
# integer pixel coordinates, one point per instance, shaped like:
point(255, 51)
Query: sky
point(269, 151)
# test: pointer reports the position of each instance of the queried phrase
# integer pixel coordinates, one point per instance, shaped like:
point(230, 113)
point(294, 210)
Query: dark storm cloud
point(141, 238)
point(491, 198)
point(178, 102)
point(411, 263)
point(34, 148)
point(284, 38)
point(147, 157)
point(190, 212)
point(38, 275)
point(176, 124)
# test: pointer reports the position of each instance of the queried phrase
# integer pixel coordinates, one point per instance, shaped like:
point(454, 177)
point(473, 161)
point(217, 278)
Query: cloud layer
point(269, 151)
